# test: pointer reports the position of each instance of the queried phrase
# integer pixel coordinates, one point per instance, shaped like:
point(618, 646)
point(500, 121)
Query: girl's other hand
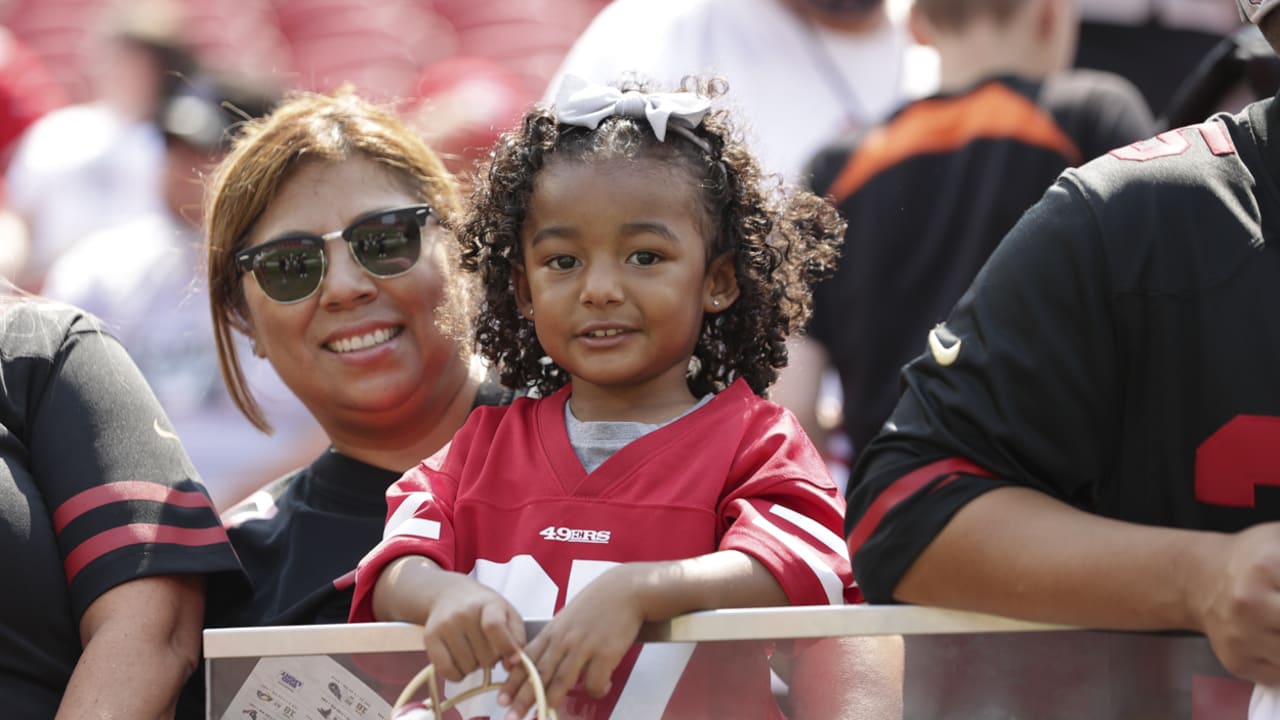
point(587, 639)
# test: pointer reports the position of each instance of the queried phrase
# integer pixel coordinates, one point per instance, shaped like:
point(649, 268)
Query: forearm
point(1020, 553)
point(407, 588)
point(724, 579)
point(142, 642)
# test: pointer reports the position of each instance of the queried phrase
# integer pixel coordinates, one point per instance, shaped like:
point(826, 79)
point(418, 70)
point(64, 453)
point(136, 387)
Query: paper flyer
point(311, 687)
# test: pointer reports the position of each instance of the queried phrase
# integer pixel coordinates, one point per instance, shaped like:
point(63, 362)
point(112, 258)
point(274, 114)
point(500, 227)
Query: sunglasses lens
point(288, 271)
point(387, 245)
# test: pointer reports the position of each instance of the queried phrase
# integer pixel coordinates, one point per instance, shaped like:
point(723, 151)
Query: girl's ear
point(721, 287)
point(520, 286)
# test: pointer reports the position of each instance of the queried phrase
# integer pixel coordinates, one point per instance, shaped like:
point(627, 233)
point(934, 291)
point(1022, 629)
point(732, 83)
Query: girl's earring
point(715, 303)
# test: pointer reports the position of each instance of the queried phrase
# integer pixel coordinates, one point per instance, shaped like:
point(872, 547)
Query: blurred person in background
point(1240, 69)
point(800, 72)
point(95, 164)
point(144, 278)
point(1155, 44)
point(929, 193)
point(27, 92)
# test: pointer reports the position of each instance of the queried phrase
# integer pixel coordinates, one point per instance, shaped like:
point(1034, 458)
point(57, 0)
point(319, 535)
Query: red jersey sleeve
point(783, 509)
point(419, 522)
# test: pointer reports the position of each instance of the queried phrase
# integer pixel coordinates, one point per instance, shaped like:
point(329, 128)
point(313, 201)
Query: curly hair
point(783, 239)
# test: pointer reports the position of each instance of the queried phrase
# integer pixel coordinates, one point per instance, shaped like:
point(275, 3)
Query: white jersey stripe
point(653, 680)
point(263, 508)
point(412, 503)
point(830, 581)
point(418, 527)
point(819, 531)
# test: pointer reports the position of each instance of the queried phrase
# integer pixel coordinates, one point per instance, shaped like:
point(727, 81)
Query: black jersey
point(301, 537)
point(1118, 352)
point(928, 195)
point(95, 491)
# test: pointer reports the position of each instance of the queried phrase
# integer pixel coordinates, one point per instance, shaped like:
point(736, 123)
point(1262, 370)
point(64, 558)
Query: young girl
point(640, 280)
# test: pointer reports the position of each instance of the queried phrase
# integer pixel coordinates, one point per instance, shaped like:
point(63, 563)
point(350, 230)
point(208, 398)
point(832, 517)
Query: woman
point(362, 334)
point(106, 531)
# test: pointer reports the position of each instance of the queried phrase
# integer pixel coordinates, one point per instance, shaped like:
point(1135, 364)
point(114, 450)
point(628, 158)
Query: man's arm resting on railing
point(1019, 553)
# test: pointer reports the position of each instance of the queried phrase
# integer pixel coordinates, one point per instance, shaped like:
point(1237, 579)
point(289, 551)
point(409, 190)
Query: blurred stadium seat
point(378, 45)
point(530, 37)
point(381, 46)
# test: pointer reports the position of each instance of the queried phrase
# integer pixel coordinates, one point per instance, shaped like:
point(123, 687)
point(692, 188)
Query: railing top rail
point(711, 625)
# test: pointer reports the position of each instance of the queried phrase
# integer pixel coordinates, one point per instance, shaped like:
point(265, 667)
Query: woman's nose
point(345, 282)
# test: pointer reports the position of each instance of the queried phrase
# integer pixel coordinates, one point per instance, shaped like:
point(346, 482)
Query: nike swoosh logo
point(941, 353)
point(155, 425)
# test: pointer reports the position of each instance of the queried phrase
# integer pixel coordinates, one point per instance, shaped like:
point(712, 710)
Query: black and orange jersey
point(1119, 352)
point(95, 491)
point(927, 197)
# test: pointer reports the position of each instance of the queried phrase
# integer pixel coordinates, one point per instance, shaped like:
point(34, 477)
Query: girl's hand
point(471, 626)
point(589, 637)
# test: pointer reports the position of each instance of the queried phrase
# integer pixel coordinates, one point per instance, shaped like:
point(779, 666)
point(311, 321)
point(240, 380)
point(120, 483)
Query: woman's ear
point(721, 287)
point(520, 287)
point(243, 325)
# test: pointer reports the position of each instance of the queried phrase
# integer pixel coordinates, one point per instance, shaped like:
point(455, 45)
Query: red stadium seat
point(59, 32)
point(379, 45)
point(530, 37)
point(241, 37)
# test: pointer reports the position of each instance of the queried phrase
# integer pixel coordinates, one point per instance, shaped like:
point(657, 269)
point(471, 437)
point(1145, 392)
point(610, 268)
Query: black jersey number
point(1236, 458)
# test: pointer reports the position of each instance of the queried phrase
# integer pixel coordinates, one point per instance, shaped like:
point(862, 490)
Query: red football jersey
point(509, 502)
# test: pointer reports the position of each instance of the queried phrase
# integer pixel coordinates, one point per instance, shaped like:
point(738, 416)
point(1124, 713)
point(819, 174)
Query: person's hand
point(587, 639)
point(1237, 591)
point(471, 626)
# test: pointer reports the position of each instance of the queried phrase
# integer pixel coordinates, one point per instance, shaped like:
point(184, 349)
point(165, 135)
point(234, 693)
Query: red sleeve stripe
point(903, 488)
point(345, 582)
point(138, 534)
point(1217, 137)
point(108, 493)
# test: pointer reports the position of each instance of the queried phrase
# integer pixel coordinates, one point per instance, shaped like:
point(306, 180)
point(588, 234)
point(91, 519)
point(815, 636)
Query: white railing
point(958, 664)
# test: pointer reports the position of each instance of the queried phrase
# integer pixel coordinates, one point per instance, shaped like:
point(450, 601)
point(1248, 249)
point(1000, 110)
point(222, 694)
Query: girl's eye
point(644, 257)
point(563, 262)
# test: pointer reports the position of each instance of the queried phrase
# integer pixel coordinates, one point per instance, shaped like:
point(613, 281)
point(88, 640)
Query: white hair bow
point(585, 104)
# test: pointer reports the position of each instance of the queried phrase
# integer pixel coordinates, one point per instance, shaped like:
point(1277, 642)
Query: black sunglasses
point(386, 243)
